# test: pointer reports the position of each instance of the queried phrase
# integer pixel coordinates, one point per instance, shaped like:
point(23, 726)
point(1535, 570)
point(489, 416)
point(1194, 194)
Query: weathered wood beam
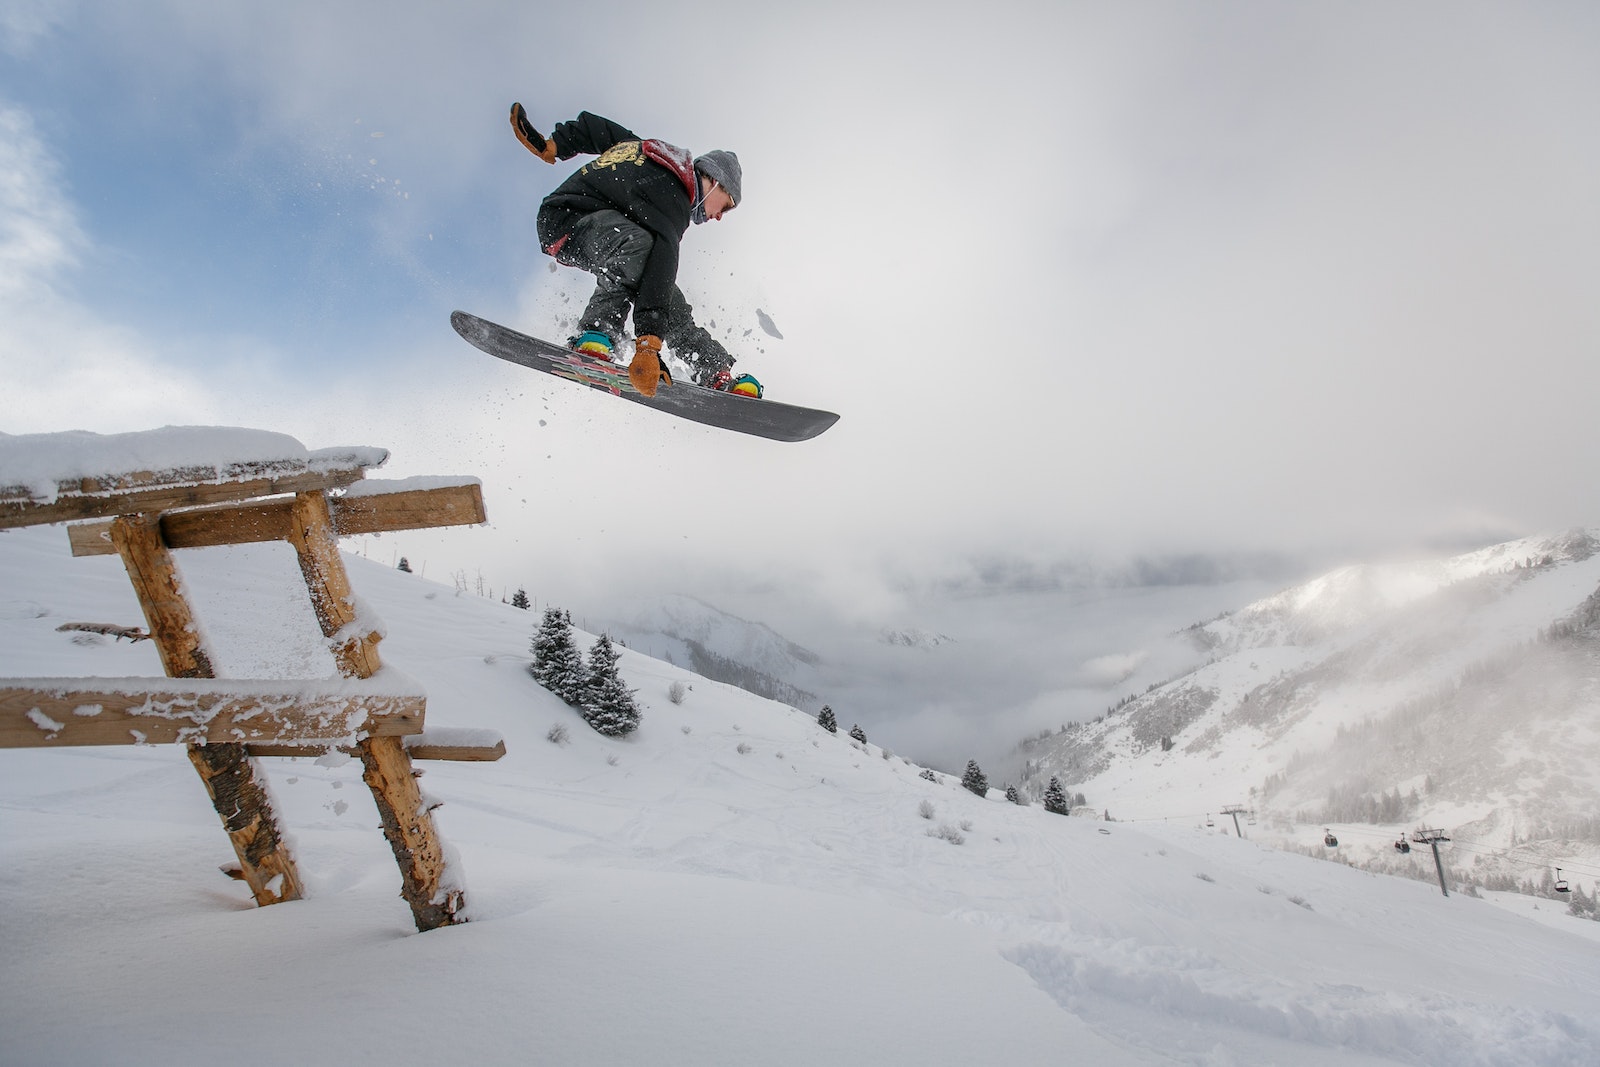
point(231, 778)
point(425, 880)
point(355, 648)
point(232, 524)
point(159, 498)
point(155, 579)
point(407, 817)
point(418, 747)
point(67, 712)
point(239, 795)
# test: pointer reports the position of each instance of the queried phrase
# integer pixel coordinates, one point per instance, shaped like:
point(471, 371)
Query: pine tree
point(1012, 795)
point(858, 733)
point(405, 565)
point(974, 781)
point(557, 663)
point(1055, 798)
point(608, 704)
point(826, 720)
point(519, 599)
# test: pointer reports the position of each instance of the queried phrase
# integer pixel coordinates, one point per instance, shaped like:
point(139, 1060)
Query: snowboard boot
point(722, 379)
point(646, 371)
point(592, 343)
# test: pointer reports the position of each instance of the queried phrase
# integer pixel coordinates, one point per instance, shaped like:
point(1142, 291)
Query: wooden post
point(408, 824)
point(311, 534)
point(230, 776)
point(155, 580)
point(387, 770)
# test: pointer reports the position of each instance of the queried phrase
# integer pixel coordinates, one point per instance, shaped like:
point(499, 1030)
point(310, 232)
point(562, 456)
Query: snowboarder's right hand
point(532, 140)
point(646, 372)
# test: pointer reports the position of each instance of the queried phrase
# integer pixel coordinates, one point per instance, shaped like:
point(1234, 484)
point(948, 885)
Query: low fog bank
point(963, 664)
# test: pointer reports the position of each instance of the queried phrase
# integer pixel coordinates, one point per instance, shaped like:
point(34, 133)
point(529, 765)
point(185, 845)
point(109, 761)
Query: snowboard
point(726, 411)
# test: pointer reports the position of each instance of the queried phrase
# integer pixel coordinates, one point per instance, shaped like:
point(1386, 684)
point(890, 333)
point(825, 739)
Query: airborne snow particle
point(767, 324)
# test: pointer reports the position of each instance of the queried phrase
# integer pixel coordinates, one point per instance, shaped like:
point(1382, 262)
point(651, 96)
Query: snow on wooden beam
point(60, 712)
point(380, 507)
point(455, 744)
point(90, 502)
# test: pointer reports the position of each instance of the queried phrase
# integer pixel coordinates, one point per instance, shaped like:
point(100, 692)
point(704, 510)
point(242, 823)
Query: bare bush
point(558, 734)
point(676, 692)
point(925, 809)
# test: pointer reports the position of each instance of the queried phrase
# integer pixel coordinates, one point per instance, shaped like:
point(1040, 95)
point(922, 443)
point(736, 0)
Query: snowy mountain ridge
point(687, 631)
point(1473, 682)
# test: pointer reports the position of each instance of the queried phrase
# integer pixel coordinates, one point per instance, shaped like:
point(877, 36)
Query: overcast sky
point(1096, 278)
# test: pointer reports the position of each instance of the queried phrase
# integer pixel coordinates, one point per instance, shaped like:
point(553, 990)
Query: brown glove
point(531, 139)
point(646, 372)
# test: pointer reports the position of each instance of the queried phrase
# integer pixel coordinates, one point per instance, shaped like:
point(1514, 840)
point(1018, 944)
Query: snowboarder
point(621, 218)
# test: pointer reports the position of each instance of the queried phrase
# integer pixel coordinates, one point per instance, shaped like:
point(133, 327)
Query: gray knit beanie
point(723, 168)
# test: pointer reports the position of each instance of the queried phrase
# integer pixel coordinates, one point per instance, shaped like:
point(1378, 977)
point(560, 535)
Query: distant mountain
point(912, 637)
point(1463, 692)
point(723, 647)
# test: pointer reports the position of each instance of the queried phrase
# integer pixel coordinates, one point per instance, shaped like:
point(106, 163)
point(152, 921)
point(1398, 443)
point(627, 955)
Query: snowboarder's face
point(717, 201)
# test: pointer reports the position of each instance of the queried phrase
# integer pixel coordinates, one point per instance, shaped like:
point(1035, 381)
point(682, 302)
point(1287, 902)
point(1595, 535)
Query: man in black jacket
point(621, 218)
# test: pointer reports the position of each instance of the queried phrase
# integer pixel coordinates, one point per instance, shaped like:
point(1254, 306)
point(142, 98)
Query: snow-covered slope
point(1464, 693)
point(730, 885)
point(709, 641)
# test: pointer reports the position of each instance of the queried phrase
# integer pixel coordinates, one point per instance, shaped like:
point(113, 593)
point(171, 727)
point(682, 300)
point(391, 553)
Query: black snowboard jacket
point(650, 182)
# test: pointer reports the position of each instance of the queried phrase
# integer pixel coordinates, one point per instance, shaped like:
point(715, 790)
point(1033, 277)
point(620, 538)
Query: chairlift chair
point(1401, 845)
point(1209, 823)
point(1329, 840)
point(1561, 883)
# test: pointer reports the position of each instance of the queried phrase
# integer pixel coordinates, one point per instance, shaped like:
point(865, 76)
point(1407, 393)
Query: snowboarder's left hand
point(532, 139)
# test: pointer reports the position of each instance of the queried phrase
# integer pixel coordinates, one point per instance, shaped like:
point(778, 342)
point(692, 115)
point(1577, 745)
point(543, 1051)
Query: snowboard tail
point(770, 419)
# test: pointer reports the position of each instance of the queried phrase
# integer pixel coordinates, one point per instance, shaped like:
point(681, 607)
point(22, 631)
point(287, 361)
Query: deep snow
point(730, 885)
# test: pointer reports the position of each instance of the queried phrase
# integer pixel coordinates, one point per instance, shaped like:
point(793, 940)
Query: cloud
point(1134, 279)
point(39, 232)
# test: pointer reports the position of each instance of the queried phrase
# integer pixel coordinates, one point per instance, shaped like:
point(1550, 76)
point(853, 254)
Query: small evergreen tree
point(1012, 795)
point(557, 663)
point(929, 775)
point(858, 733)
point(826, 720)
point(519, 599)
point(608, 704)
point(973, 781)
point(405, 565)
point(1055, 798)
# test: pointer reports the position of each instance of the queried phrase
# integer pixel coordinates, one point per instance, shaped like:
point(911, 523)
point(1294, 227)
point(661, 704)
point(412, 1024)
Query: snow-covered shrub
point(946, 832)
point(676, 692)
point(558, 734)
point(925, 809)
